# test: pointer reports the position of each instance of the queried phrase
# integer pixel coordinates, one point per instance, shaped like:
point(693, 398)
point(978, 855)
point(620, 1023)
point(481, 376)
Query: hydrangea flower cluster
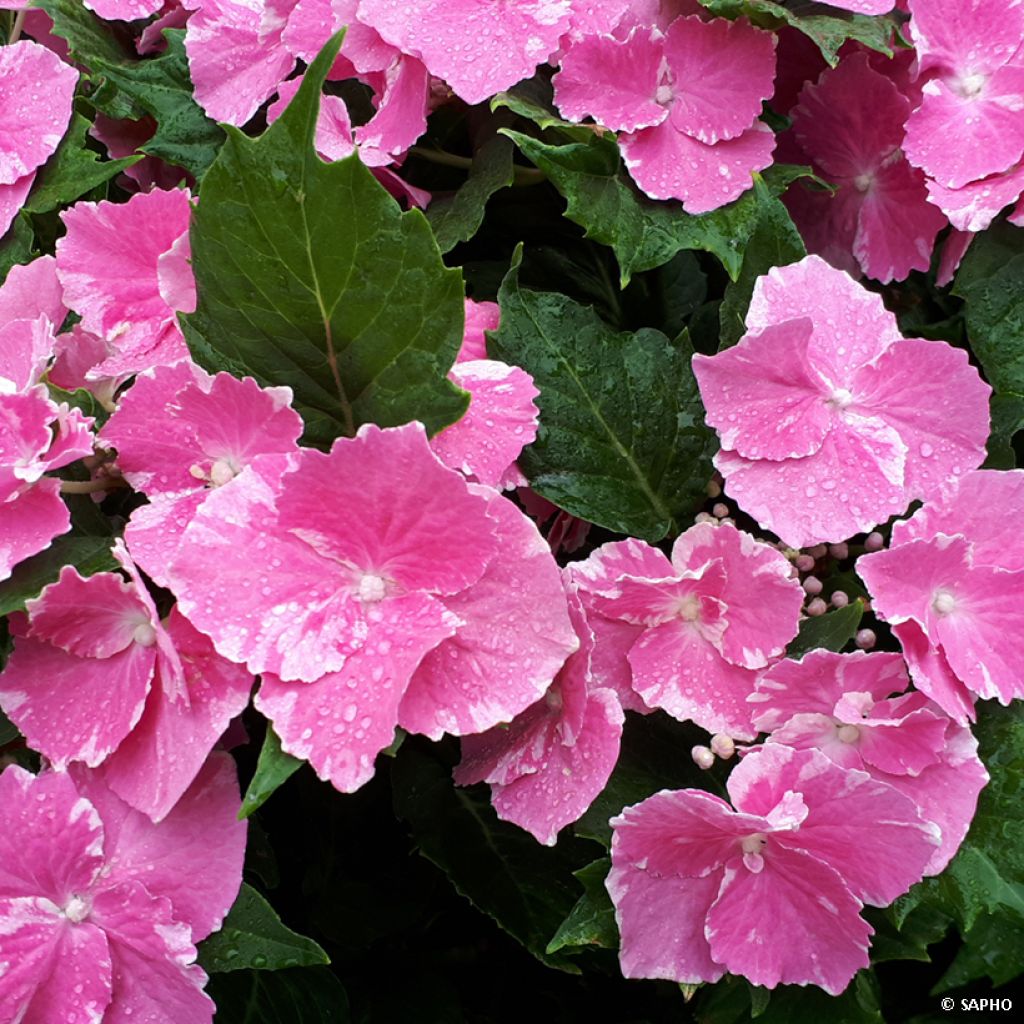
point(188, 555)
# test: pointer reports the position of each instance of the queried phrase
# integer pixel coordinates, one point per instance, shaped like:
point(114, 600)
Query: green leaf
point(773, 242)
point(89, 38)
point(8, 731)
point(273, 768)
point(309, 275)
point(457, 217)
point(828, 31)
point(501, 869)
point(1007, 420)
point(253, 937)
point(622, 441)
point(908, 940)
point(831, 631)
point(643, 233)
point(591, 922)
point(311, 995)
point(87, 554)
point(991, 282)
point(16, 246)
point(654, 755)
point(161, 87)
point(72, 171)
point(993, 948)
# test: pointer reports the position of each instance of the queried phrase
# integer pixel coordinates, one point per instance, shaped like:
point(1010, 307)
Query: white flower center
point(689, 608)
point(76, 910)
point(841, 398)
point(754, 843)
point(372, 588)
point(970, 86)
point(144, 634)
point(848, 733)
point(863, 182)
point(663, 97)
point(943, 602)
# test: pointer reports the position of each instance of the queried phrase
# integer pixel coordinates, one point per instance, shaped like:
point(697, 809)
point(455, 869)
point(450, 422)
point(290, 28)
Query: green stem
point(17, 26)
point(520, 175)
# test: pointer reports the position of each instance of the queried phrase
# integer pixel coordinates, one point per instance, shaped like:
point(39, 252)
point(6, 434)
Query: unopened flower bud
point(818, 551)
point(723, 746)
point(874, 542)
point(702, 757)
point(703, 517)
point(865, 639)
point(804, 563)
point(840, 599)
point(839, 551)
point(816, 607)
point(812, 585)
point(720, 511)
point(713, 489)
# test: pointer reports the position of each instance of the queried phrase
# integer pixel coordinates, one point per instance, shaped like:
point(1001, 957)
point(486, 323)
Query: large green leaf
point(831, 631)
point(16, 246)
point(591, 922)
point(309, 275)
point(991, 282)
point(89, 38)
point(161, 86)
point(1007, 421)
point(502, 870)
point(827, 27)
point(622, 440)
point(254, 937)
point(72, 171)
point(273, 769)
point(643, 233)
point(311, 995)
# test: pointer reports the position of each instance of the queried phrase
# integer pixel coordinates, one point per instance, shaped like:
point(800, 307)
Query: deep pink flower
point(546, 767)
point(686, 101)
point(124, 267)
point(100, 909)
point(724, 607)
point(368, 600)
point(830, 420)
point(96, 677)
point(952, 585)
point(843, 705)
point(771, 891)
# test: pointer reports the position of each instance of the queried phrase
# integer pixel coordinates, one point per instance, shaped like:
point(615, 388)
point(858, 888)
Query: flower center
point(970, 86)
point(76, 910)
point(372, 588)
point(663, 97)
point(753, 846)
point(144, 634)
point(943, 602)
point(863, 182)
point(689, 608)
point(848, 733)
point(841, 398)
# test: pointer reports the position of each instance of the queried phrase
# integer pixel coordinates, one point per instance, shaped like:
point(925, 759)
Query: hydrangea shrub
point(510, 511)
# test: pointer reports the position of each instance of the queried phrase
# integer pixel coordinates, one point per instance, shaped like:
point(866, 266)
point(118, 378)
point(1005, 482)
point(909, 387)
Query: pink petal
point(906, 746)
point(801, 898)
point(668, 164)
point(31, 290)
point(30, 522)
point(25, 434)
point(722, 71)
point(343, 720)
point(36, 92)
point(333, 126)
point(12, 199)
point(500, 422)
point(124, 10)
point(480, 317)
point(614, 81)
point(953, 251)
point(515, 634)
point(154, 533)
point(931, 673)
point(25, 348)
point(601, 572)
point(974, 206)
point(401, 116)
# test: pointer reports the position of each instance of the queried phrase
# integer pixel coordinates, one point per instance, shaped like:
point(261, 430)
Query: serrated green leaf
point(831, 631)
point(991, 283)
point(457, 217)
point(993, 948)
point(72, 171)
point(828, 30)
point(161, 87)
point(644, 233)
point(910, 939)
point(502, 870)
point(88, 555)
point(591, 922)
point(273, 768)
point(253, 937)
point(309, 275)
point(622, 440)
point(311, 995)
point(532, 100)
point(1007, 420)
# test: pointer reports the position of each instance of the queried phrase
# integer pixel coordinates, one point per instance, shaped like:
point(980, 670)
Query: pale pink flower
point(686, 103)
point(124, 267)
point(724, 607)
point(546, 767)
point(100, 909)
point(369, 599)
point(124, 10)
point(830, 420)
point(849, 126)
point(844, 706)
point(36, 93)
point(773, 890)
point(96, 677)
point(952, 585)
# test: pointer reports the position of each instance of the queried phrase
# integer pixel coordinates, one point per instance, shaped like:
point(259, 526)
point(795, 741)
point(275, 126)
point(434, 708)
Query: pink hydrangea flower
point(478, 49)
point(211, 428)
point(124, 267)
point(368, 600)
point(100, 909)
point(952, 585)
point(686, 101)
point(36, 92)
point(124, 10)
point(548, 765)
point(843, 705)
point(96, 677)
point(772, 890)
point(830, 420)
point(724, 607)
point(849, 126)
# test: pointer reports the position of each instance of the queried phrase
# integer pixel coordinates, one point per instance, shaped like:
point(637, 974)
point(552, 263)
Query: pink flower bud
point(839, 551)
point(812, 585)
point(817, 607)
point(818, 551)
point(713, 489)
point(840, 599)
point(865, 639)
point(702, 757)
point(804, 563)
point(720, 511)
point(874, 542)
point(703, 517)
point(723, 746)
